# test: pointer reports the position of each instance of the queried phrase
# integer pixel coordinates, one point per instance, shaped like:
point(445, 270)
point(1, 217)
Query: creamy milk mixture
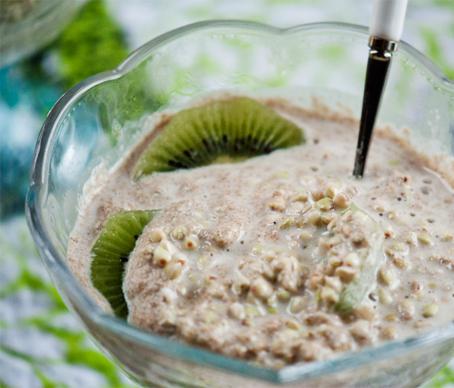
point(250, 259)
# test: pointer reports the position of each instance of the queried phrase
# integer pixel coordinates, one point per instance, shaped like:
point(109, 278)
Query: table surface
point(41, 344)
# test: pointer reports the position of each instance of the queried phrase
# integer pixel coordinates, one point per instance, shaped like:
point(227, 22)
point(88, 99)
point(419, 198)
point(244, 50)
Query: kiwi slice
point(111, 251)
point(355, 292)
point(217, 132)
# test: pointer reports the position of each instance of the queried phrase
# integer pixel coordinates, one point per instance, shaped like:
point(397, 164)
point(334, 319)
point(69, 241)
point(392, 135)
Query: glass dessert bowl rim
point(56, 262)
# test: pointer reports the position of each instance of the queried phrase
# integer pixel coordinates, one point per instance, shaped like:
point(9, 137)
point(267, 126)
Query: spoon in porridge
point(385, 32)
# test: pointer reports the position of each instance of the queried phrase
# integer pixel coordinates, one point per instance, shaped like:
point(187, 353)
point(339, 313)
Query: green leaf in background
point(443, 379)
point(92, 43)
point(435, 51)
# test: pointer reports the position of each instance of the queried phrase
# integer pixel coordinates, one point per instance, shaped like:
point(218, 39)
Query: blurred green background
point(41, 344)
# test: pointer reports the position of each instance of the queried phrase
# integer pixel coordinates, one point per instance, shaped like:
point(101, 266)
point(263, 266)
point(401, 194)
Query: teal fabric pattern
point(42, 344)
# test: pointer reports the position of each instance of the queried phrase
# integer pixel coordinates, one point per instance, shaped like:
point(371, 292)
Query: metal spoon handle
point(377, 70)
point(385, 31)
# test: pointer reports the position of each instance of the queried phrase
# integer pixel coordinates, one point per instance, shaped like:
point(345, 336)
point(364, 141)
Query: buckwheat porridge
point(282, 257)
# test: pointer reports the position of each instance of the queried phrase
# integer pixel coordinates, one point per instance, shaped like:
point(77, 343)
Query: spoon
point(385, 32)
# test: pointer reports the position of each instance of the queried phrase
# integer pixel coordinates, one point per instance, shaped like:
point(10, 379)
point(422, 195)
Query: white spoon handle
point(388, 19)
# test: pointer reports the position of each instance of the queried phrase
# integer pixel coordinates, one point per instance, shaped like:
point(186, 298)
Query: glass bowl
point(93, 124)
point(27, 25)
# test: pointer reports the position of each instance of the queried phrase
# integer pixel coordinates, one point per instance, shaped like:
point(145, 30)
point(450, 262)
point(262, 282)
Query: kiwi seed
point(110, 254)
point(218, 132)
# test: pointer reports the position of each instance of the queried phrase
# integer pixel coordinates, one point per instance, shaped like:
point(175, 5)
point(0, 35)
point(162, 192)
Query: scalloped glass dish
point(96, 121)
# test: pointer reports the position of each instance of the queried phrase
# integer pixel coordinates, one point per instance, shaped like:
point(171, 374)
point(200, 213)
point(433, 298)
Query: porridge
point(277, 258)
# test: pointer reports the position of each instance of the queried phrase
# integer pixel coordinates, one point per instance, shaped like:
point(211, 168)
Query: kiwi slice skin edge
point(227, 130)
point(110, 254)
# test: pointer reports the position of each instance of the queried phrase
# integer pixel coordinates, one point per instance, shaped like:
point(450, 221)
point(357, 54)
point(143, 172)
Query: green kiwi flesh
point(220, 131)
point(110, 254)
point(355, 292)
